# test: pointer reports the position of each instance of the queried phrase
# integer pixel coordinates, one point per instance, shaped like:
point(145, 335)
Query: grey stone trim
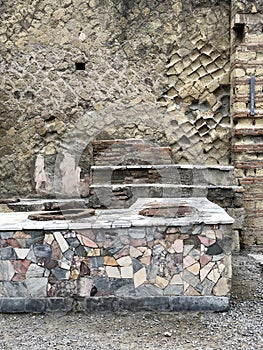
point(35, 305)
point(59, 304)
point(113, 304)
point(12, 305)
point(172, 303)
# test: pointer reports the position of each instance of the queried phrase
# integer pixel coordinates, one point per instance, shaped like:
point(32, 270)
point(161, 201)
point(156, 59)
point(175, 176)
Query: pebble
point(167, 334)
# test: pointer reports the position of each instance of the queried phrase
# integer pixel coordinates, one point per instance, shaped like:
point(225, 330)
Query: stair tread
point(168, 185)
point(158, 166)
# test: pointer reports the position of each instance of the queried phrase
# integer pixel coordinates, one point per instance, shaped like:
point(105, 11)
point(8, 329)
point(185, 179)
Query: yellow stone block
point(109, 260)
point(238, 73)
point(246, 55)
point(161, 282)
point(139, 277)
point(94, 252)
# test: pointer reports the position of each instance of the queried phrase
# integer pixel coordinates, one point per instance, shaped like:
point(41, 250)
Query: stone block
point(96, 261)
point(12, 305)
point(174, 289)
point(126, 272)
point(84, 286)
point(16, 289)
point(59, 304)
point(73, 242)
point(42, 251)
point(37, 236)
point(8, 253)
point(259, 238)
point(238, 214)
point(222, 288)
point(235, 245)
point(21, 253)
point(137, 233)
point(199, 303)
point(140, 277)
point(61, 241)
point(37, 305)
point(149, 303)
point(6, 234)
point(35, 271)
point(7, 270)
point(37, 286)
point(60, 274)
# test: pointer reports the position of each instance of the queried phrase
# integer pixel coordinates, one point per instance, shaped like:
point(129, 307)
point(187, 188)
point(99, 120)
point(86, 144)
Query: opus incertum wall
point(177, 257)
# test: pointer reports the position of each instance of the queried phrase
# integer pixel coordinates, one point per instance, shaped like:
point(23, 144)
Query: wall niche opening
point(80, 65)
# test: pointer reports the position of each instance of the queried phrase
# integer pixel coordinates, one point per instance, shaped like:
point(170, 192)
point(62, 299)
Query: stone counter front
point(120, 255)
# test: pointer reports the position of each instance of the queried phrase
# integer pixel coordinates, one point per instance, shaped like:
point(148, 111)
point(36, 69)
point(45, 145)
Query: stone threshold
point(114, 304)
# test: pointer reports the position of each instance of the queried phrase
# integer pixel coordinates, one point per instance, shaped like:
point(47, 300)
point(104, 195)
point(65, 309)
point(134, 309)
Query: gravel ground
point(239, 328)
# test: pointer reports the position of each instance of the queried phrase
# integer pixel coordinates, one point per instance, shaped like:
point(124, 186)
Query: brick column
point(247, 135)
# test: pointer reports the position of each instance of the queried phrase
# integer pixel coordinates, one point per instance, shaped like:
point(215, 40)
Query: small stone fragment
point(63, 244)
point(187, 249)
point(174, 289)
point(178, 245)
point(214, 275)
point(86, 241)
point(113, 272)
point(84, 286)
point(42, 251)
point(35, 271)
point(94, 252)
point(49, 238)
point(188, 261)
point(21, 253)
point(191, 291)
point(222, 287)
point(176, 279)
point(206, 241)
point(126, 272)
point(135, 253)
point(125, 261)
point(8, 253)
point(74, 274)
point(161, 282)
point(84, 270)
point(110, 261)
point(167, 334)
point(195, 268)
point(205, 270)
point(214, 249)
point(139, 277)
point(146, 260)
point(205, 259)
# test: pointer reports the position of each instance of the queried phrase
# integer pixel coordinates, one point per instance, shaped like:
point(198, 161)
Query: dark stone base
point(35, 305)
point(113, 304)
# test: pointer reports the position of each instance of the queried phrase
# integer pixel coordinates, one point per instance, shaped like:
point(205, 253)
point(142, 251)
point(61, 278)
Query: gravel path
point(239, 328)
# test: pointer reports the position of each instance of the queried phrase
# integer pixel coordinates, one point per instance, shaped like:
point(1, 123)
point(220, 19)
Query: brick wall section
point(118, 152)
point(247, 141)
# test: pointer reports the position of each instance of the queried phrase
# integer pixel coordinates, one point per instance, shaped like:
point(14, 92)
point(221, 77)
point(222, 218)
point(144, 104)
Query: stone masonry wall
point(73, 71)
point(247, 142)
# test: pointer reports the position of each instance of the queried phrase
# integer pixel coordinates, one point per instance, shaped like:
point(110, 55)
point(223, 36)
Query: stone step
point(32, 204)
point(163, 174)
point(258, 258)
point(123, 196)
